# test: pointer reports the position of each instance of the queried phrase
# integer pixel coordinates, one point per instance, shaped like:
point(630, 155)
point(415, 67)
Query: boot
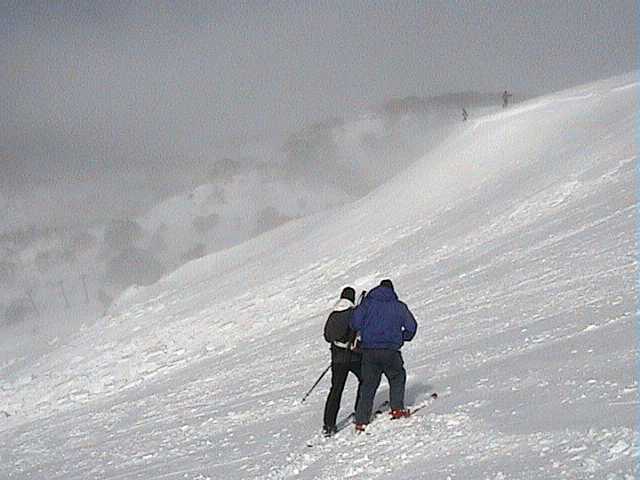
point(360, 427)
point(329, 431)
point(400, 413)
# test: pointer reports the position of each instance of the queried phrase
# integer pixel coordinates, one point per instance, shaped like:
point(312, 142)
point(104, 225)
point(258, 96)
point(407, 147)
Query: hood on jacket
point(382, 294)
point(343, 304)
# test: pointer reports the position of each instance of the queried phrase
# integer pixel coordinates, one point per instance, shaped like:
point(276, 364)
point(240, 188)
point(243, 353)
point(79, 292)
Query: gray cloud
point(100, 87)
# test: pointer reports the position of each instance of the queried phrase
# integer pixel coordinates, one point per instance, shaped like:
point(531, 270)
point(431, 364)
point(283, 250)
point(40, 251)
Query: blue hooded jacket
point(383, 321)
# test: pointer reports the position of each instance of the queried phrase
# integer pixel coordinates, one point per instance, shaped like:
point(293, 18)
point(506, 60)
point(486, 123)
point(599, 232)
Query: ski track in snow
point(522, 281)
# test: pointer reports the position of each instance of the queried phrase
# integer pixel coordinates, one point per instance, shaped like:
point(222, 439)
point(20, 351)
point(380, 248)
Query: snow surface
point(514, 244)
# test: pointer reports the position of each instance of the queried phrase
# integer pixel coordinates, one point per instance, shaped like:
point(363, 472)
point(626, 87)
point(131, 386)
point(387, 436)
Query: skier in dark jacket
point(384, 323)
point(344, 357)
point(505, 99)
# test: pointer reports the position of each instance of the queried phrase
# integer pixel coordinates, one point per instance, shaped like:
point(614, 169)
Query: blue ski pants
point(376, 362)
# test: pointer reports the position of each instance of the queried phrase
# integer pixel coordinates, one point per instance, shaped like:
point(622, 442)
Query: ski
point(385, 406)
point(345, 422)
point(348, 420)
point(413, 410)
point(377, 412)
point(426, 403)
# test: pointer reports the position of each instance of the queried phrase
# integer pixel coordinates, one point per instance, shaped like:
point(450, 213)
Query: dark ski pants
point(339, 373)
point(375, 362)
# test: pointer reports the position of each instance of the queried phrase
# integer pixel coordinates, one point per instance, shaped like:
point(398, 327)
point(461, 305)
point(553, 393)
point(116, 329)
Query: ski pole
point(317, 382)
point(362, 295)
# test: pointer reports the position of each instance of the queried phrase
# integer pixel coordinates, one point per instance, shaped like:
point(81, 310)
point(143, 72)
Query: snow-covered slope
point(513, 243)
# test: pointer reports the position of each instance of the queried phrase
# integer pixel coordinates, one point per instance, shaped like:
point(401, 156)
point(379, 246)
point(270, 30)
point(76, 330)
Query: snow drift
point(512, 242)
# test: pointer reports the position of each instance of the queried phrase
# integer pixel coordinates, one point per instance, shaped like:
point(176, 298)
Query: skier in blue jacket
point(384, 323)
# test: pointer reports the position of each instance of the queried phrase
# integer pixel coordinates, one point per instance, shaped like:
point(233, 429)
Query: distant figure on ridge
point(345, 356)
point(505, 99)
point(465, 115)
point(384, 323)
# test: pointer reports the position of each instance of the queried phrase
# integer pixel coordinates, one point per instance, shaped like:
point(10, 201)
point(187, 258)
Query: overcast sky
point(87, 86)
